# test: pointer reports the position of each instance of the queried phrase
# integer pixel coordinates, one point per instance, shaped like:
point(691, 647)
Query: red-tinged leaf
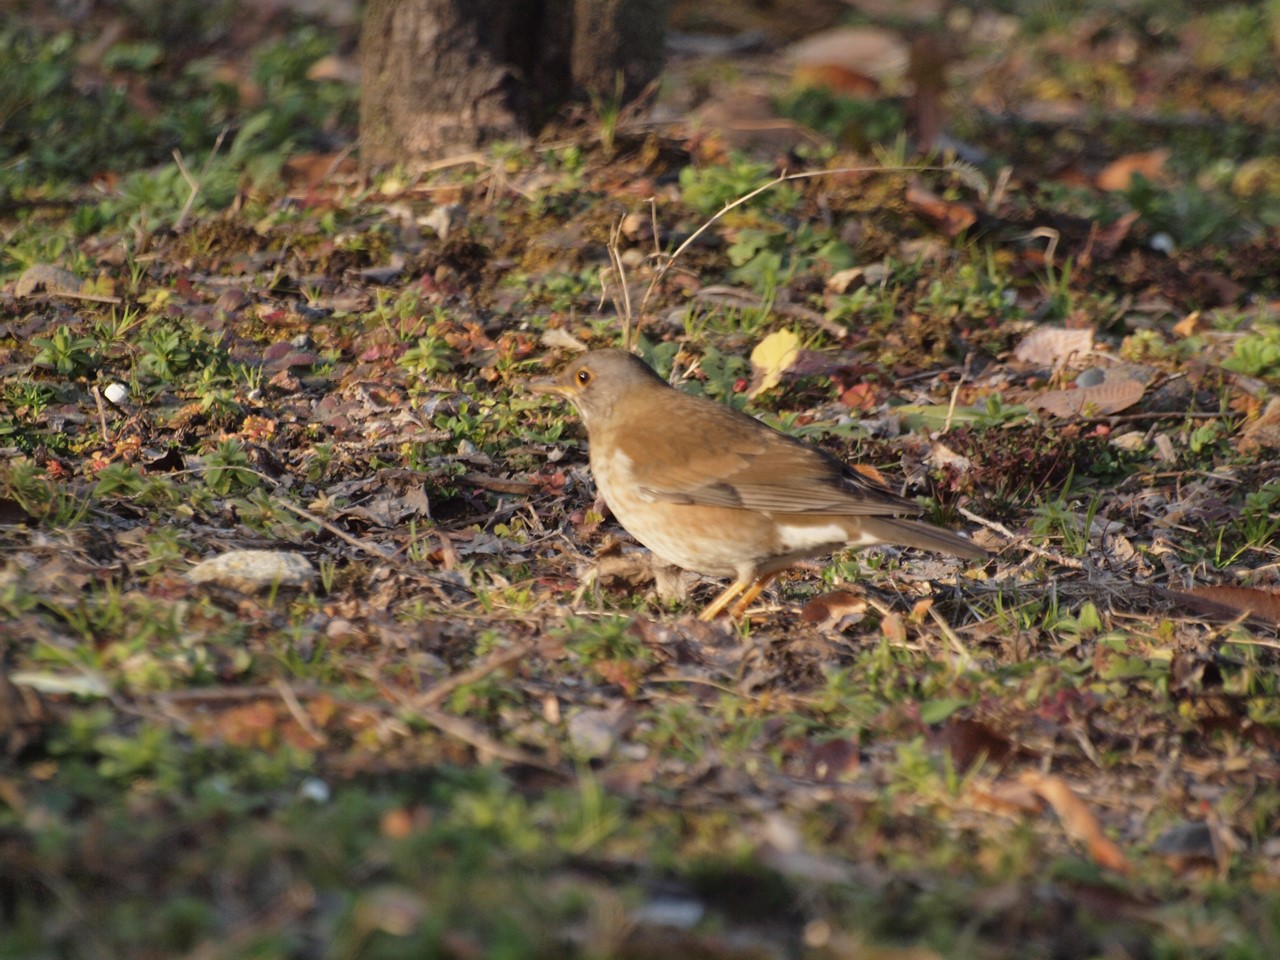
point(969, 740)
point(861, 397)
point(834, 760)
point(382, 351)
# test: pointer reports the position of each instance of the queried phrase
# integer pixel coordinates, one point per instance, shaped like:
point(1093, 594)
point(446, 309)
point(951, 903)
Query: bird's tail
point(913, 533)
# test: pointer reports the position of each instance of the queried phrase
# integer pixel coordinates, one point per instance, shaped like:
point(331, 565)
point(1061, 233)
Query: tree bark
point(442, 77)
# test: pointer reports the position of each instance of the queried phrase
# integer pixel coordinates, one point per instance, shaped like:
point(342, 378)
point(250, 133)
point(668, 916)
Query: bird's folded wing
point(763, 471)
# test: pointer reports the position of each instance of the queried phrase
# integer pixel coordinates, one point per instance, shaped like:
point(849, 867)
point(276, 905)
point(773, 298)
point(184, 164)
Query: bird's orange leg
point(750, 594)
point(726, 597)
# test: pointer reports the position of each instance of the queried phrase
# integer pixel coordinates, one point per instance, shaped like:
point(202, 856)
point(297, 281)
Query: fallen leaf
point(951, 217)
point(832, 609)
point(771, 358)
point(1053, 346)
point(1007, 798)
point(893, 628)
point(1100, 401)
point(1263, 432)
point(850, 59)
point(969, 740)
point(1191, 324)
point(1259, 603)
point(1077, 820)
point(1119, 174)
point(834, 760)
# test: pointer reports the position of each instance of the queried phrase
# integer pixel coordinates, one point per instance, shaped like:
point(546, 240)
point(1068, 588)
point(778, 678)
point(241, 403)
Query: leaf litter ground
point(483, 723)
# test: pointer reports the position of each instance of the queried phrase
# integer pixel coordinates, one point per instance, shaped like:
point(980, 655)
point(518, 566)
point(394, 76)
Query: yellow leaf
point(772, 355)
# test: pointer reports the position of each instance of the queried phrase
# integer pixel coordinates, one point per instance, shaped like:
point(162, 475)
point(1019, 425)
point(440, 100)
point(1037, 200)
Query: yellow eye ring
point(583, 377)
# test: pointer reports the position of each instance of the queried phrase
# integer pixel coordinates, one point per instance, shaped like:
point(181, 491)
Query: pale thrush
point(718, 492)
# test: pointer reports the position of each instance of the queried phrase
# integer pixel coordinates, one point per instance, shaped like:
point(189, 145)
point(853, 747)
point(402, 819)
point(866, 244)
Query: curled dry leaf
point(1052, 346)
point(1077, 820)
point(832, 609)
point(950, 217)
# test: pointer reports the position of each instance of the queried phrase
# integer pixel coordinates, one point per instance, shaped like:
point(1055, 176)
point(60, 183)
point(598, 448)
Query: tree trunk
point(446, 76)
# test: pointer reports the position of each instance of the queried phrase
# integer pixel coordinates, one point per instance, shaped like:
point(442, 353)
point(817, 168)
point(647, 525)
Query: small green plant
point(846, 120)
point(608, 111)
point(228, 469)
point(1057, 520)
point(1257, 354)
point(426, 358)
point(708, 189)
point(49, 502)
point(66, 353)
point(165, 354)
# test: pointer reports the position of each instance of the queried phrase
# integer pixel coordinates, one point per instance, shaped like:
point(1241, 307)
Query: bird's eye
point(584, 377)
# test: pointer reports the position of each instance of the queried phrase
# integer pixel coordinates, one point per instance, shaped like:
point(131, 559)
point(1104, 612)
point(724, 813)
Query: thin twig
point(1001, 529)
point(470, 734)
point(437, 694)
point(335, 530)
point(295, 708)
point(102, 413)
point(195, 184)
point(668, 261)
point(90, 297)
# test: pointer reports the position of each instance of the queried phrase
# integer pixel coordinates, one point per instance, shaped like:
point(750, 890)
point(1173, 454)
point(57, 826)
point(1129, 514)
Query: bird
point(718, 492)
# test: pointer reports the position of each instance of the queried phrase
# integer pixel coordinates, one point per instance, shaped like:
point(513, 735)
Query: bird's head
point(596, 381)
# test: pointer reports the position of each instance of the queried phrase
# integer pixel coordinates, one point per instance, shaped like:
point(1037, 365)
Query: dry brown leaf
point(1118, 175)
point(831, 608)
point(1263, 432)
point(1191, 324)
point(1100, 401)
point(969, 740)
point(950, 217)
point(1077, 820)
point(1051, 346)
point(867, 53)
point(1260, 603)
point(1008, 798)
point(834, 760)
point(894, 630)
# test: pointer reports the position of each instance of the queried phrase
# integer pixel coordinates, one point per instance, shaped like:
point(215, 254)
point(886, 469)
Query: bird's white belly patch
point(798, 537)
point(813, 536)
